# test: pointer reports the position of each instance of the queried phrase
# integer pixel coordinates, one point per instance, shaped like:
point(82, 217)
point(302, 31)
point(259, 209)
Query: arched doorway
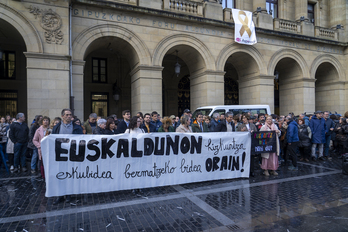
point(13, 73)
point(328, 92)
point(287, 97)
point(231, 93)
point(107, 81)
point(183, 94)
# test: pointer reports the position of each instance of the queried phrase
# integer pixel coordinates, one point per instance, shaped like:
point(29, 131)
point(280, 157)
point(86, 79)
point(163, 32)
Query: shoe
point(11, 168)
point(58, 200)
point(307, 160)
point(274, 173)
point(295, 169)
point(301, 159)
point(252, 174)
point(266, 173)
point(314, 159)
point(322, 158)
point(15, 170)
point(24, 169)
point(67, 199)
point(33, 171)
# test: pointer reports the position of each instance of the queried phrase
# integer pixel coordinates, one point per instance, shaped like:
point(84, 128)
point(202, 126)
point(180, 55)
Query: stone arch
point(85, 38)
point(24, 27)
point(233, 48)
point(183, 40)
point(325, 58)
point(288, 53)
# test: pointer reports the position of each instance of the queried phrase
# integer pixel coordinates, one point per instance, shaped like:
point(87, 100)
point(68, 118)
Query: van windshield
point(205, 111)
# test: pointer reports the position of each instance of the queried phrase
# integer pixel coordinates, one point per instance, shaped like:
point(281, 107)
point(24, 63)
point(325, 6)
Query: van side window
point(219, 111)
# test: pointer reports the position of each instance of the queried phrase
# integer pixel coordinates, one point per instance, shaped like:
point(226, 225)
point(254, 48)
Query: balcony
point(130, 2)
point(184, 7)
point(326, 33)
point(287, 26)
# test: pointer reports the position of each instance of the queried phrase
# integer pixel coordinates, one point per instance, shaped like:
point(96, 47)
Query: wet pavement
point(314, 198)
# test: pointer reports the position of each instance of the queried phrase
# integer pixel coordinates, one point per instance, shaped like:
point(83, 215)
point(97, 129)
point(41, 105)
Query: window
point(272, 7)
point(243, 111)
point(8, 103)
point(100, 104)
point(311, 12)
point(8, 65)
point(228, 3)
point(99, 70)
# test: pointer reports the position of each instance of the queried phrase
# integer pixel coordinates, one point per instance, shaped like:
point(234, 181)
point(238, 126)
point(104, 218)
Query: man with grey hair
point(100, 129)
point(19, 135)
point(226, 125)
point(66, 126)
point(305, 118)
point(91, 123)
point(214, 122)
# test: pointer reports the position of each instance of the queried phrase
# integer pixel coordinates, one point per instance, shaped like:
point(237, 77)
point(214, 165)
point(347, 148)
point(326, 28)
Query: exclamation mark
point(243, 160)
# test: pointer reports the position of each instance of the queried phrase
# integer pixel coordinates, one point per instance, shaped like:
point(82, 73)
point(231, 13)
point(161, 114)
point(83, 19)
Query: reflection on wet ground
point(314, 198)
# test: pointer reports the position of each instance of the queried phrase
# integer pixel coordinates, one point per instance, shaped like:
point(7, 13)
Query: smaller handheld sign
point(263, 142)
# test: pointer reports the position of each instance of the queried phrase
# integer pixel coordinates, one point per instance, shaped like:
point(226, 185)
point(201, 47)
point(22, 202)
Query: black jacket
point(109, 132)
point(151, 126)
point(99, 131)
point(19, 133)
point(303, 135)
point(32, 131)
point(76, 129)
point(221, 127)
point(329, 124)
point(121, 127)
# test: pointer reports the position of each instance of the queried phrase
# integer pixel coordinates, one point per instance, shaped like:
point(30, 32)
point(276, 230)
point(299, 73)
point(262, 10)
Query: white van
point(235, 109)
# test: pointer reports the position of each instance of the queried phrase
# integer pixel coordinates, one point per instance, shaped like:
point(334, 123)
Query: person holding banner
point(198, 126)
point(185, 125)
point(166, 125)
point(270, 160)
point(100, 129)
point(66, 126)
point(123, 125)
point(134, 126)
point(227, 124)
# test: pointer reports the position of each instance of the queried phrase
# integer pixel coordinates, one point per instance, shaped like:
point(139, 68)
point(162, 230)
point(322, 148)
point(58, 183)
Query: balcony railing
point(326, 33)
point(286, 25)
point(131, 2)
point(186, 7)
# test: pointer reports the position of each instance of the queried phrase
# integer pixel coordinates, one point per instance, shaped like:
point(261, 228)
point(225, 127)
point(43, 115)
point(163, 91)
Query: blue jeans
point(327, 145)
point(20, 149)
point(34, 159)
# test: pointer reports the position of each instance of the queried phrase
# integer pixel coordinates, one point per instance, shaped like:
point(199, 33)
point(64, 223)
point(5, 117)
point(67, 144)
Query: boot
point(274, 173)
point(266, 173)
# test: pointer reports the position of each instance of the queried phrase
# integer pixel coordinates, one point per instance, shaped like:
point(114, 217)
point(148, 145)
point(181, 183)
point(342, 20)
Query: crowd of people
point(314, 136)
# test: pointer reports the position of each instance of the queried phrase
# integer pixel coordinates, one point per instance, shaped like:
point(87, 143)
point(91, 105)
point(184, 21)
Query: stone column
point(77, 84)
point(47, 83)
point(337, 13)
point(257, 90)
point(259, 3)
point(146, 89)
point(300, 9)
point(206, 88)
point(330, 95)
point(297, 96)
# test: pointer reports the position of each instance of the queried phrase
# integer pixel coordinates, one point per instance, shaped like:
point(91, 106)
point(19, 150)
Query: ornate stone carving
point(51, 22)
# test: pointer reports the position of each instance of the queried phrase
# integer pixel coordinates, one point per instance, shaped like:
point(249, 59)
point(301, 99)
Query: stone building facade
point(107, 56)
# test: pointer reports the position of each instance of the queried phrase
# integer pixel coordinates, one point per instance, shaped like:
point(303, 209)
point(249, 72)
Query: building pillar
point(47, 84)
point(301, 9)
point(257, 90)
point(337, 13)
point(297, 96)
point(206, 88)
point(330, 96)
point(146, 89)
point(77, 85)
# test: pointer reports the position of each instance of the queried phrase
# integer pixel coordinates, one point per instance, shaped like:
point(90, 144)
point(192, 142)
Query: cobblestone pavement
point(314, 198)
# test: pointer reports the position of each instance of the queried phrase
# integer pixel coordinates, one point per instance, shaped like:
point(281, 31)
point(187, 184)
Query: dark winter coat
point(170, 129)
point(32, 131)
point(77, 129)
point(342, 133)
point(99, 131)
point(197, 129)
point(329, 124)
point(19, 133)
point(304, 134)
point(151, 126)
point(221, 127)
point(318, 128)
point(157, 124)
point(213, 124)
point(292, 132)
point(121, 127)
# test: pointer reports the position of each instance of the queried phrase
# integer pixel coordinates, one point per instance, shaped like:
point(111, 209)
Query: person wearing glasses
point(134, 126)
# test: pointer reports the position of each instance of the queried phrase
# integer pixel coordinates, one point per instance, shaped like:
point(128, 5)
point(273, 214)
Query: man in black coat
point(19, 135)
point(123, 124)
point(66, 126)
point(147, 126)
point(226, 125)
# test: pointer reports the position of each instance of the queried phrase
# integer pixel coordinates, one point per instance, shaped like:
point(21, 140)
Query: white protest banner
point(77, 164)
point(244, 28)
